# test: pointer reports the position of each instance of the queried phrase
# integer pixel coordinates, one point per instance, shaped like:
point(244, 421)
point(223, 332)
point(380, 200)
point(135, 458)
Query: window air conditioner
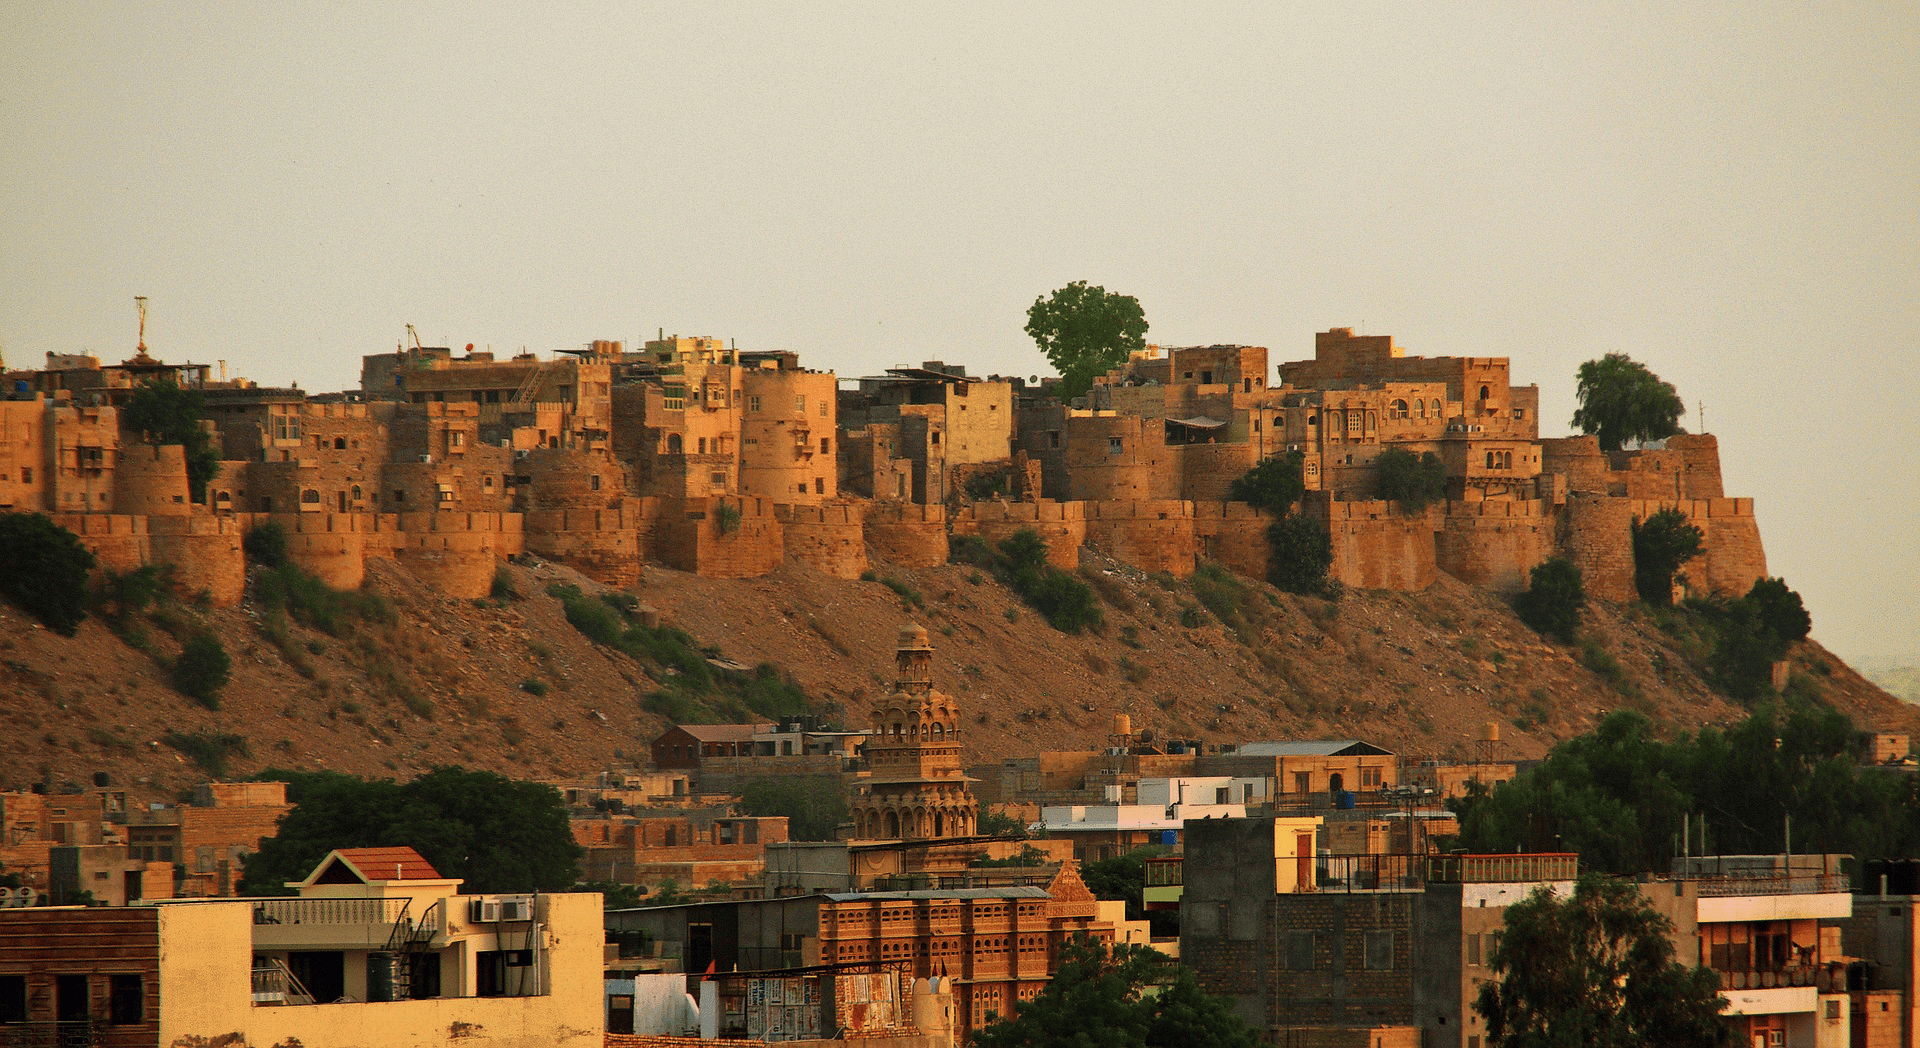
point(516, 909)
point(484, 911)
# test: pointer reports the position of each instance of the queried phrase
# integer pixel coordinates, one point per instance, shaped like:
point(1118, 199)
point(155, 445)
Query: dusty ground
point(1416, 673)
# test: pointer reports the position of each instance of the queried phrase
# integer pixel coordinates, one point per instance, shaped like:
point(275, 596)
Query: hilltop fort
point(728, 463)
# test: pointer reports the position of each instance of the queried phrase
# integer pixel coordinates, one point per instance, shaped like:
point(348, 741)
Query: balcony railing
point(328, 911)
point(1777, 884)
point(1520, 868)
point(72, 1033)
point(1827, 978)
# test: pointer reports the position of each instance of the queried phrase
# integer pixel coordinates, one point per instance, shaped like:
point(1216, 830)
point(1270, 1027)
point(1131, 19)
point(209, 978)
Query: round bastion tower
point(917, 790)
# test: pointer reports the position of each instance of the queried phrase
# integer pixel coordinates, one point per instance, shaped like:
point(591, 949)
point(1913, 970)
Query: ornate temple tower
point(917, 790)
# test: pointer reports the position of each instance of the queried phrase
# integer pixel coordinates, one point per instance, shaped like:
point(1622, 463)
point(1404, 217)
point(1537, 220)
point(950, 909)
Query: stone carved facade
point(918, 789)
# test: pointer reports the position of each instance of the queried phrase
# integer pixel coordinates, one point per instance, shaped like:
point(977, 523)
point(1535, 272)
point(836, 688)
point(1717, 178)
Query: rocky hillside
point(437, 681)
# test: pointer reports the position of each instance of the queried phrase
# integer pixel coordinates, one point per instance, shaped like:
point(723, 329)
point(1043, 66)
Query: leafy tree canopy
point(202, 669)
point(1596, 970)
point(1619, 796)
point(815, 805)
point(1555, 594)
point(498, 834)
point(167, 414)
point(1411, 480)
point(1098, 999)
point(1662, 543)
point(1085, 332)
point(1620, 400)
point(45, 572)
point(1780, 610)
point(1275, 483)
point(1299, 552)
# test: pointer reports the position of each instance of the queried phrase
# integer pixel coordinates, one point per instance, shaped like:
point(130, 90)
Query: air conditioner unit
point(427, 457)
point(516, 909)
point(483, 911)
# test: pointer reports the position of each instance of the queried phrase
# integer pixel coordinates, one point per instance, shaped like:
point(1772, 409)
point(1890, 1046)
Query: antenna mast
point(141, 301)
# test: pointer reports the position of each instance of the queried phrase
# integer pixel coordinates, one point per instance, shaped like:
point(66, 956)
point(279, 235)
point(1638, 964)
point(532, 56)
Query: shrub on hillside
point(1299, 552)
point(1551, 605)
point(265, 545)
point(45, 570)
point(202, 669)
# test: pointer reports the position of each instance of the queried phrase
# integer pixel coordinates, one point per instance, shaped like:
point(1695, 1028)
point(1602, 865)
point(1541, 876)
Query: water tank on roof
point(1343, 799)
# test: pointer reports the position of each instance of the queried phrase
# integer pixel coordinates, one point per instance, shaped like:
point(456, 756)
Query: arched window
point(1489, 460)
point(310, 497)
point(339, 443)
point(356, 493)
point(1334, 783)
point(1421, 407)
point(1483, 392)
point(1313, 420)
point(673, 444)
point(1398, 410)
point(1436, 407)
point(1506, 460)
point(939, 731)
point(893, 825)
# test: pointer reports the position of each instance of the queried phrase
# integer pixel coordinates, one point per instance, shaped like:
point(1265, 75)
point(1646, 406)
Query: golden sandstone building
point(728, 463)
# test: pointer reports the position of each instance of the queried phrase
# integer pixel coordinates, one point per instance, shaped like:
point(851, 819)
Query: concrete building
point(224, 971)
point(1102, 831)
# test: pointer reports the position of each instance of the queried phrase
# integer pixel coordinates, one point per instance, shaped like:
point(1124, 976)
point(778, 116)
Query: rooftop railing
point(1780, 883)
point(328, 911)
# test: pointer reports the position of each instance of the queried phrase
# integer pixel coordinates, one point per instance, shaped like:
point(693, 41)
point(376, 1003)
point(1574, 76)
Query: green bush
point(815, 805)
point(1555, 594)
point(202, 669)
point(534, 686)
point(212, 751)
point(1411, 480)
point(45, 572)
point(1662, 543)
point(1780, 610)
point(1299, 553)
point(266, 545)
point(727, 518)
point(316, 604)
point(1273, 484)
point(503, 587)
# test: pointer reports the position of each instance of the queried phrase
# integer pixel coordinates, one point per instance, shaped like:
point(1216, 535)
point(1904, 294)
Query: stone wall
point(906, 535)
point(1062, 525)
point(689, 538)
point(1150, 534)
point(1234, 535)
point(1376, 547)
point(830, 537)
point(607, 545)
point(1595, 536)
point(1494, 544)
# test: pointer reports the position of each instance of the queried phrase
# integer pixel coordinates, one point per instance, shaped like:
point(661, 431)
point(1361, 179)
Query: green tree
point(1780, 610)
point(498, 834)
point(1743, 652)
point(1067, 603)
point(1620, 400)
point(1596, 971)
point(1555, 594)
point(1085, 332)
point(166, 414)
point(1662, 543)
point(266, 545)
point(1411, 480)
point(45, 573)
point(815, 805)
point(1098, 999)
point(202, 669)
point(1299, 552)
point(1000, 824)
point(1275, 483)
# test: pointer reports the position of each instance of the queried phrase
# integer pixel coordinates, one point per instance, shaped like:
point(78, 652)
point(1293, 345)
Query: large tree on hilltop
point(164, 413)
point(1085, 333)
point(1620, 400)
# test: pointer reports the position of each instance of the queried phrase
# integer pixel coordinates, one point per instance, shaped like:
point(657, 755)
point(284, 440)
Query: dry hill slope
point(1417, 673)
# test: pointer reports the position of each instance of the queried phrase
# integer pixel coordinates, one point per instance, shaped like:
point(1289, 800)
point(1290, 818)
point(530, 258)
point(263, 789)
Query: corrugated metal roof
point(1311, 748)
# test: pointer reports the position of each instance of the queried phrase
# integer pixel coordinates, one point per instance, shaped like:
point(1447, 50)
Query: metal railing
point(1826, 978)
point(1519, 868)
point(328, 911)
point(70, 1033)
point(1368, 873)
point(1775, 884)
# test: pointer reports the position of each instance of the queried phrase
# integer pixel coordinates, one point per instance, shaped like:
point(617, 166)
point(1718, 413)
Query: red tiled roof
point(390, 864)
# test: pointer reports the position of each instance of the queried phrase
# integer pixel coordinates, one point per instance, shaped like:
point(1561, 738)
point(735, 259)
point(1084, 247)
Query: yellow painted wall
point(206, 969)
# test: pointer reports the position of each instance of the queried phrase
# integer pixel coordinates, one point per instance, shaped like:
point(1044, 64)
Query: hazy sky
point(1728, 192)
